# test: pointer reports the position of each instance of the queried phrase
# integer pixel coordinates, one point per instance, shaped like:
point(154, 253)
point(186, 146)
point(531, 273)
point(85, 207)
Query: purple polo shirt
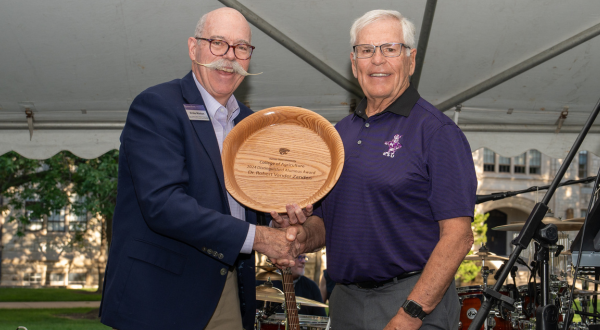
point(405, 169)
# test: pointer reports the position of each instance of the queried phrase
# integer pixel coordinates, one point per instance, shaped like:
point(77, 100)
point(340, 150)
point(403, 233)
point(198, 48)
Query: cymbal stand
point(547, 315)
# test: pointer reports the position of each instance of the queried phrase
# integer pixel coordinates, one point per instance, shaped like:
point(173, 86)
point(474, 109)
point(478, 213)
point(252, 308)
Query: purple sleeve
point(453, 183)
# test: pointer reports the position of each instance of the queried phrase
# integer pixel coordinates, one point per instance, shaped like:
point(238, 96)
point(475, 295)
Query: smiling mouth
point(226, 70)
point(379, 74)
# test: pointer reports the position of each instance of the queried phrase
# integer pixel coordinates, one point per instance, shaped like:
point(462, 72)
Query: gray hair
point(200, 26)
point(408, 28)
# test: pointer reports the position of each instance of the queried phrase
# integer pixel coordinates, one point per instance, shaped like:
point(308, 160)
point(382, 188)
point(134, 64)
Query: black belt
point(375, 284)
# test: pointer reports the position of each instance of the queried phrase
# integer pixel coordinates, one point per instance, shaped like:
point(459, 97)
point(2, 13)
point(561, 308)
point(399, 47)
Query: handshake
point(287, 238)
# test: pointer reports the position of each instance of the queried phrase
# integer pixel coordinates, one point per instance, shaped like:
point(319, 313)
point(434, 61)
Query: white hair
point(408, 28)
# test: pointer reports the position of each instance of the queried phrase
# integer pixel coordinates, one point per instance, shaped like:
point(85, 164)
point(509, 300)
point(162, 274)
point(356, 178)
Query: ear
point(412, 59)
point(192, 47)
point(353, 61)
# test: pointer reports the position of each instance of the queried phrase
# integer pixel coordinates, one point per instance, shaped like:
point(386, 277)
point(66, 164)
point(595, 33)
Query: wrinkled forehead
point(231, 27)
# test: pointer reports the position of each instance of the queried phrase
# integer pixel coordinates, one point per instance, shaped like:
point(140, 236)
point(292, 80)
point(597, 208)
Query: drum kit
point(521, 315)
point(268, 319)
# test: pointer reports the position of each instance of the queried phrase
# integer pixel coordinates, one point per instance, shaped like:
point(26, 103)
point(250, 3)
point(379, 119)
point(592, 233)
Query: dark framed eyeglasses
point(302, 258)
point(220, 47)
point(393, 49)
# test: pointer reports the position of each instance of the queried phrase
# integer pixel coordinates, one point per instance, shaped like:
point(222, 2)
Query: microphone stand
point(547, 313)
point(501, 195)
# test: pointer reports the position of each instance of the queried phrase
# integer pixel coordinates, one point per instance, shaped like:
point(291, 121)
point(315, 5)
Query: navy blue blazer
point(173, 236)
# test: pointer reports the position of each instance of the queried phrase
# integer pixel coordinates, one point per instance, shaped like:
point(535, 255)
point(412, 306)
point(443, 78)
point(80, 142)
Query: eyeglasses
point(219, 48)
point(393, 49)
point(302, 258)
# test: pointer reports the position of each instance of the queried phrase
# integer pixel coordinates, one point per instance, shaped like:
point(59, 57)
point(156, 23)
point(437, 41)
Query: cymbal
point(263, 276)
point(266, 293)
point(488, 256)
point(575, 219)
point(560, 225)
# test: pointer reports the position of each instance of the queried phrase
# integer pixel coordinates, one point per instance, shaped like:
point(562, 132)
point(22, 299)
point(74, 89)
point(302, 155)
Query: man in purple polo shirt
point(398, 222)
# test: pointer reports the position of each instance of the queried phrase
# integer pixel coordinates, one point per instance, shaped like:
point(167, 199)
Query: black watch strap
point(413, 309)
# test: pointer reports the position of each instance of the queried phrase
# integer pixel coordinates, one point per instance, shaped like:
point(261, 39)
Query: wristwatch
point(413, 309)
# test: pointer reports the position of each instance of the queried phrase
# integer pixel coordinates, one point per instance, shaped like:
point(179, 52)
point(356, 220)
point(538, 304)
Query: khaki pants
point(227, 315)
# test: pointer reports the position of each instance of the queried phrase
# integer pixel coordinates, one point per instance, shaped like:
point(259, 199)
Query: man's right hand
point(282, 246)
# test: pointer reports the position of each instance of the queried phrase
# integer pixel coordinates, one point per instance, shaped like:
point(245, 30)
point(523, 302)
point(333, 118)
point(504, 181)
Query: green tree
point(468, 270)
point(35, 189)
point(96, 181)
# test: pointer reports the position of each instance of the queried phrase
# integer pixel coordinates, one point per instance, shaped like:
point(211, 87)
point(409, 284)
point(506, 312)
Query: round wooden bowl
point(282, 155)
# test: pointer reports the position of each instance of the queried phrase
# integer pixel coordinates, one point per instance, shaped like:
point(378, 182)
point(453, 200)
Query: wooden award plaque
point(282, 155)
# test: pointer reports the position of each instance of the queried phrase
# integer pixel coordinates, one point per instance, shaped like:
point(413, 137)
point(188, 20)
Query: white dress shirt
point(222, 120)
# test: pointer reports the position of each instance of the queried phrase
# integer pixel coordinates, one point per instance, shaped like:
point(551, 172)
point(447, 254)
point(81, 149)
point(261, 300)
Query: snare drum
point(471, 298)
point(307, 322)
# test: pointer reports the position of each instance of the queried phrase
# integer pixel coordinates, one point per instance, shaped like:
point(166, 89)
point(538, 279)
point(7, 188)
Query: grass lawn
point(49, 319)
point(47, 294)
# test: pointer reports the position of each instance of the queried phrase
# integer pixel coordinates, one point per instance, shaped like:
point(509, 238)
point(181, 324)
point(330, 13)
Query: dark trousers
point(371, 309)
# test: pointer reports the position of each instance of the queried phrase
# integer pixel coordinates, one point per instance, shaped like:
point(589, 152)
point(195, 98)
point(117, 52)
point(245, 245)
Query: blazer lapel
point(204, 130)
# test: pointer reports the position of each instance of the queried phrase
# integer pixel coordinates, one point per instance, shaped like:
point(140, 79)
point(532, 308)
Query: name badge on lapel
point(196, 112)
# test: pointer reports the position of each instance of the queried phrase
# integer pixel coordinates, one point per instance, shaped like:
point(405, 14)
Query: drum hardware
point(307, 322)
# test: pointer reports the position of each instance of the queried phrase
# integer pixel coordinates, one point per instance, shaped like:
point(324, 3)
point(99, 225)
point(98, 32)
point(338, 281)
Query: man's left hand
point(295, 215)
point(403, 321)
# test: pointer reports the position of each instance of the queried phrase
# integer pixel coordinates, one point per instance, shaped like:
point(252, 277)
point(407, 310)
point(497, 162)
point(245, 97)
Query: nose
point(378, 57)
point(230, 55)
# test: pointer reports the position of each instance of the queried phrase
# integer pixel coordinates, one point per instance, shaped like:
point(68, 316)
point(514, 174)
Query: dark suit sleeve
point(153, 141)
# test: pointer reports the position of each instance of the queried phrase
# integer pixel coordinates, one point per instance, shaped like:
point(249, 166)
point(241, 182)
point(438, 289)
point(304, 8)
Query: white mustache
point(227, 66)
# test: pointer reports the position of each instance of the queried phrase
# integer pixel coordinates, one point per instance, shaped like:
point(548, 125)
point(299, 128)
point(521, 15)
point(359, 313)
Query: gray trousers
point(371, 309)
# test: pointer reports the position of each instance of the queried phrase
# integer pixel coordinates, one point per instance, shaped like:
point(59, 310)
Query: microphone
point(486, 198)
point(236, 67)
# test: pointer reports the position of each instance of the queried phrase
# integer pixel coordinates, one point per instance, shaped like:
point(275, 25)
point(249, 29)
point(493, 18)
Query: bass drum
point(307, 322)
point(471, 298)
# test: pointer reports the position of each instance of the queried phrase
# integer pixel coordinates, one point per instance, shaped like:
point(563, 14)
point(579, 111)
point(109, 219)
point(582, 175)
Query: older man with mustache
point(181, 254)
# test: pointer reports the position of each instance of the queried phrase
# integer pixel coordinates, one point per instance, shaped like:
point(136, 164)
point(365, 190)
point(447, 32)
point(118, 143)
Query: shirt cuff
point(247, 247)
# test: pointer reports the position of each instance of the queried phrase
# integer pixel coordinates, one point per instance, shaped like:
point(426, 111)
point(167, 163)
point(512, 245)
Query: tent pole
point(295, 48)
point(521, 67)
point(423, 41)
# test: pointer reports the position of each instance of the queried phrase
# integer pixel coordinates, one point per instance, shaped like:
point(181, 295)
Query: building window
point(569, 214)
point(77, 222)
point(76, 278)
point(583, 213)
point(503, 164)
point(57, 279)
point(519, 163)
point(489, 160)
point(33, 279)
point(535, 162)
point(34, 224)
point(56, 221)
point(583, 157)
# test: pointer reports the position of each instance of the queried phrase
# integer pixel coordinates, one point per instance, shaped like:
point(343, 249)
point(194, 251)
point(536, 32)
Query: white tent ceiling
point(83, 62)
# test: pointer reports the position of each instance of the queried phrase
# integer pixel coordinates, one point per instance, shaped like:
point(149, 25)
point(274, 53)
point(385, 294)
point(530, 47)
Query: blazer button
point(223, 271)
point(209, 251)
point(203, 249)
point(215, 253)
point(221, 256)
